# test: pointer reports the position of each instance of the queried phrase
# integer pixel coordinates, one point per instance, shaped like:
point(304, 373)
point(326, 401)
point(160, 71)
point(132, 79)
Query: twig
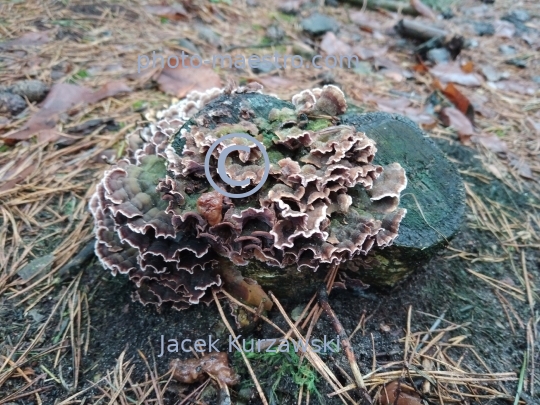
point(323, 302)
point(75, 264)
point(248, 365)
point(521, 378)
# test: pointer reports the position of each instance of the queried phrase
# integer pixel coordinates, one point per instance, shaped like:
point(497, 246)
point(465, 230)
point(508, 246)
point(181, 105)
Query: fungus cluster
point(158, 220)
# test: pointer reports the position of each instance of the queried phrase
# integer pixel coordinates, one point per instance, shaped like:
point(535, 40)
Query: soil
point(118, 324)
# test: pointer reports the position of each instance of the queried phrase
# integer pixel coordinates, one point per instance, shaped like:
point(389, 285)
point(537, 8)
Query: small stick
point(323, 302)
point(248, 365)
point(361, 324)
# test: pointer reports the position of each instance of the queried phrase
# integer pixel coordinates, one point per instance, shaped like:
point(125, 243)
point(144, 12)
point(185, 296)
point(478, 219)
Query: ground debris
point(215, 365)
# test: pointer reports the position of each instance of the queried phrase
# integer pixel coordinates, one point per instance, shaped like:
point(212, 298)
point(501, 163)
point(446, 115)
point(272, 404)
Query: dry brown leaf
point(402, 105)
point(290, 6)
point(175, 12)
point(468, 67)
point(491, 142)
point(522, 167)
point(17, 172)
point(423, 9)
point(332, 45)
point(29, 39)
point(180, 81)
point(422, 118)
point(504, 29)
point(452, 117)
point(366, 53)
point(61, 98)
point(390, 105)
point(110, 89)
point(364, 21)
point(457, 98)
point(452, 72)
point(391, 69)
point(396, 393)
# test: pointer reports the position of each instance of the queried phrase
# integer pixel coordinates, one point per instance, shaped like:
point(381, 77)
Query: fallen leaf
point(368, 53)
point(16, 171)
point(390, 105)
point(332, 45)
point(290, 6)
point(108, 90)
point(29, 39)
point(365, 22)
point(491, 74)
point(61, 98)
point(420, 117)
point(451, 72)
point(491, 142)
point(396, 393)
point(402, 105)
point(504, 29)
point(423, 9)
point(457, 98)
point(468, 67)
point(175, 12)
point(522, 167)
point(452, 117)
point(392, 70)
point(180, 81)
point(420, 68)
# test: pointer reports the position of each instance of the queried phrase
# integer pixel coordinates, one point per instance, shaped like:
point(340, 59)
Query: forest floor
point(464, 329)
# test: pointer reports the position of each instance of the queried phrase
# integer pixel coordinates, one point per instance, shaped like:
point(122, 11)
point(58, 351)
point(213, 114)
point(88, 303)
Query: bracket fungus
point(325, 202)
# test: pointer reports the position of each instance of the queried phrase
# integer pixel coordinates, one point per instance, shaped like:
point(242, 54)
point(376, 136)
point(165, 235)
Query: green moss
point(230, 129)
point(281, 115)
point(275, 155)
point(274, 367)
point(191, 202)
point(318, 124)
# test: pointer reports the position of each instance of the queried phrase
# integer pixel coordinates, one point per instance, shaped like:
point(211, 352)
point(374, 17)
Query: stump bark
point(434, 197)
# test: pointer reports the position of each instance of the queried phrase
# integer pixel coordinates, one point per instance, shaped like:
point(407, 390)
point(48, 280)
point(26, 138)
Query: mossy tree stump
point(434, 197)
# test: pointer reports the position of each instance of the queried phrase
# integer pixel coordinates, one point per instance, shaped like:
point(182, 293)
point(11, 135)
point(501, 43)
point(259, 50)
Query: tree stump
point(434, 197)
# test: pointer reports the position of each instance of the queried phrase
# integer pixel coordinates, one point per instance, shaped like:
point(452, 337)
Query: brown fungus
point(324, 203)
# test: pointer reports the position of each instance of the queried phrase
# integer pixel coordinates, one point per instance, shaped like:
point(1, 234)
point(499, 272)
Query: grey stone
point(517, 15)
point(438, 55)
point(518, 62)
point(507, 50)
point(36, 266)
point(484, 28)
point(319, 24)
point(275, 33)
point(491, 74)
point(34, 90)
point(11, 103)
